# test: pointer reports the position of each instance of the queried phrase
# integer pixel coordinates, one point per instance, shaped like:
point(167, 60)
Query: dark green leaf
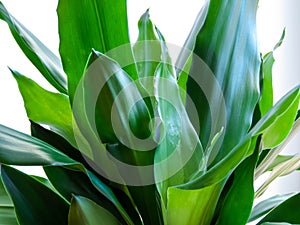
point(239, 198)
point(7, 210)
point(285, 212)
point(46, 107)
point(35, 204)
point(21, 149)
point(267, 205)
point(44, 60)
point(98, 24)
point(83, 211)
point(78, 183)
point(227, 43)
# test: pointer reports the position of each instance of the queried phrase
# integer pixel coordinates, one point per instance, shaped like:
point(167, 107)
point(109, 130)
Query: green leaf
point(227, 37)
point(278, 160)
point(44, 60)
point(282, 113)
point(46, 107)
point(192, 207)
point(98, 24)
point(239, 198)
point(267, 205)
point(7, 210)
point(120, 108)
point(266, 101)
point(179, 156)
point(271, 223)
point(147, 52)
point(34, 203)
point(285, 212)
point(78, 183)
point(27, 150)
point(86, 212)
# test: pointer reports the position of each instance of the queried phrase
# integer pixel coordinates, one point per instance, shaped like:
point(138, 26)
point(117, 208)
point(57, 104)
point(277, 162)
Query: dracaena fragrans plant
point(132, 137)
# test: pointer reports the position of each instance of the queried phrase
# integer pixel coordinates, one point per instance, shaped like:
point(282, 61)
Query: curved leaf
point(7, 209)
point(44, 60)
point(46, 107)
point(85, 212)
point(27, 150)
point(98, 24)
point(285, 212)
point(34, 203)
point(227, 43)
point(267, 205)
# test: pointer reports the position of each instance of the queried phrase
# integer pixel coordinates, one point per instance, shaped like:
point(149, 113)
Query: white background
point(174, 18)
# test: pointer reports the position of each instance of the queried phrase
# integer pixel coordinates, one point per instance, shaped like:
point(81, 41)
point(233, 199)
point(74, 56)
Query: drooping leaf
point(46, 107)
point(44, 60)
point(267, 205)
point(27, 150)
point(228, 36)
point(83, 211)
point(34, 203)
point(7, 210)
point(98, 24)
point(285, 212)
point(239, 198)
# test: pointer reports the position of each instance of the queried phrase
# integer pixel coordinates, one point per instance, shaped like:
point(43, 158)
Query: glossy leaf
point(78, 183)
point(7, 210)
point(281, 114)
point(267, 205)
point(285, 212)
point(87, 25)
point(179, 156)
point(34, 203)
point(27, 150)
point(227, 37)
point(44, 60)
point(147, 52)
point(120, 109)
point(192, 207)
point(86, 212)
point(46, 107)
point(239, 199)
point(266, 101)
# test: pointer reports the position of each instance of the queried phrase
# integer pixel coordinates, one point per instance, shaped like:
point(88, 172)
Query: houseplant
point(132, 138)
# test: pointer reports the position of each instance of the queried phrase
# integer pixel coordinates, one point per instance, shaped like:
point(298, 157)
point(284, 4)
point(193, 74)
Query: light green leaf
point(86, 212)
point(34, 203)
point(192, 207)
point(87, 25)
point(267, 205)
point(44, 60)
point(285, 212)
point(46, 107)
point(7, 210)
point(266, 101)
point(228, 36)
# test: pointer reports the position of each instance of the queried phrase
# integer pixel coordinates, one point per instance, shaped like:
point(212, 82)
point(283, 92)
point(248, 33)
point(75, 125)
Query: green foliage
point(133, 139)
